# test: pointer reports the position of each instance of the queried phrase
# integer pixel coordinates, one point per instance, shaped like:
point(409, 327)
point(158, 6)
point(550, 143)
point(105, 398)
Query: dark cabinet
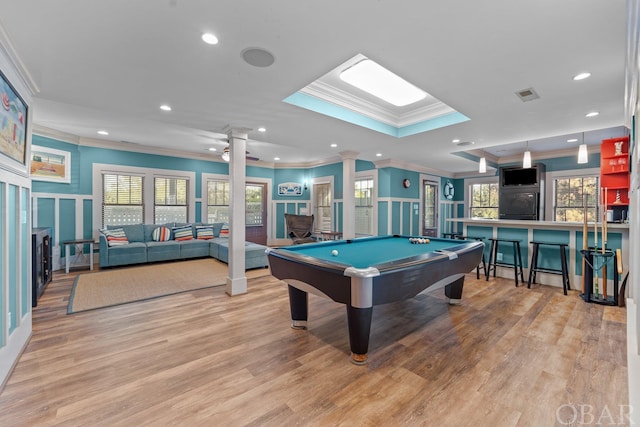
point(522, 192)
point(41, 262)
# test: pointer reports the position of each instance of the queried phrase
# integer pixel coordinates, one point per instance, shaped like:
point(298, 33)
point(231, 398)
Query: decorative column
point(348, 194)
point(237, 279)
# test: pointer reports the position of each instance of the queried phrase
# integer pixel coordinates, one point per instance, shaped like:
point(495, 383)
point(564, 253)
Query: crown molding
point(327, 92)
point(389, 163)
point(55, 134)
point(12, 55)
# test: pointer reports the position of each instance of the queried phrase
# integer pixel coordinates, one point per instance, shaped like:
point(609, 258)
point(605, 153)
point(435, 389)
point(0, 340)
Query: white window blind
point(170, 200)
point(217, 201)
point(322, 207)
point(122, 199)
point(364, 206)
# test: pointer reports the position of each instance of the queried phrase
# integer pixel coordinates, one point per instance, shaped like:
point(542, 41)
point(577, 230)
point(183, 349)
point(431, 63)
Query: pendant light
point(482, 167)
point(526, 160)
point(583, 154)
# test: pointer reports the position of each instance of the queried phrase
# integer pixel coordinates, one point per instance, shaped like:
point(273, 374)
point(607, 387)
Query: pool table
point(364, 272)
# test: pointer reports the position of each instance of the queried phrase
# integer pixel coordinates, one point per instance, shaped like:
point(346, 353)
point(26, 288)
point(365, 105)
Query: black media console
point(41, 262)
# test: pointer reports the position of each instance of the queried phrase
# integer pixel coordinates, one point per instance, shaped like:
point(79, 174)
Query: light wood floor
point(506, 356)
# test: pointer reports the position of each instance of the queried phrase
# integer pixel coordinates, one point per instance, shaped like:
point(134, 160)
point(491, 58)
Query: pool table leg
point(359, 321)
point(299, 310)
point(453, 291)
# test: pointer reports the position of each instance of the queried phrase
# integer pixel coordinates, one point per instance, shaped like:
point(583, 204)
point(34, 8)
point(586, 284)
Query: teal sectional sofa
point(141, 247)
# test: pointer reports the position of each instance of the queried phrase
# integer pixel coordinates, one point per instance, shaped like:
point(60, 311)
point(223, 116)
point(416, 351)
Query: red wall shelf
point(614, 175)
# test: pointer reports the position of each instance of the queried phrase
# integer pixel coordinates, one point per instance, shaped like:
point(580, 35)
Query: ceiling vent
point(526, 95)
point(464, 143)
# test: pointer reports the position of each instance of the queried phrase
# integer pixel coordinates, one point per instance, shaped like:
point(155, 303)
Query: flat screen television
point(519, 176)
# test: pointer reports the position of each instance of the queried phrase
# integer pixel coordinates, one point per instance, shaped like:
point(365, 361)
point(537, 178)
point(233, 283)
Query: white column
point(237, 280)
point(348, 194)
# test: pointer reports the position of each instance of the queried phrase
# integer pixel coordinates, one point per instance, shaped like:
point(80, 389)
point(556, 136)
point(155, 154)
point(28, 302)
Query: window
point(484, 200)
point(569, 194)
point(364, 206)
point(122, 197)
point(322, 206)
point(217, 201)
point(170, 201)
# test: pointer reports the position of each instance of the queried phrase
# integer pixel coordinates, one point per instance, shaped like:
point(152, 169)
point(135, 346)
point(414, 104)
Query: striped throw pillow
point(116, 237)
point(161, 234)
point(224, 232)
point(182, 233)
point(204, 232)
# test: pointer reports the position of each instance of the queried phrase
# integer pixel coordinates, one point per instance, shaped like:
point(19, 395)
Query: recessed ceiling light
point(373, 78)
point(103, 132)
point(455, 141)
point(378, 154)
point(262, 129)
point(334, 145)
point(592, 114)
point(165, 107)
point(276, 158)
point(572, 140)
point(581, 76)
point(209, 38)
point(212, 149)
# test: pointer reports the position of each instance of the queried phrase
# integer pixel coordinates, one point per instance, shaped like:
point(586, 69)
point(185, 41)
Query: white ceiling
point(110, 64)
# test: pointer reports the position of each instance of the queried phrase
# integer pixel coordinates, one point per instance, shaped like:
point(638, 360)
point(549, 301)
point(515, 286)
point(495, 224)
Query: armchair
point(299, 228)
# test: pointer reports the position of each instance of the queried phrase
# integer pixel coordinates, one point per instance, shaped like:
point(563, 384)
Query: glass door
point(256, 213)
point(430, 203)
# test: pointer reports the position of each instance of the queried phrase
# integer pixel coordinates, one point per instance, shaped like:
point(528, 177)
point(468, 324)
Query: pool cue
point(595, 249)
point(585, 243)
point(620, 270)
point(604, 244)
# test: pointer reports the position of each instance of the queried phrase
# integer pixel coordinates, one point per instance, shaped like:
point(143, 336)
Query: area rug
point(130, 284)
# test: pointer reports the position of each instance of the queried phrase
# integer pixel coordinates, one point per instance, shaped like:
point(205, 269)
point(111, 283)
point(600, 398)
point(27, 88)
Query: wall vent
point(528, 94)
point(464, 143)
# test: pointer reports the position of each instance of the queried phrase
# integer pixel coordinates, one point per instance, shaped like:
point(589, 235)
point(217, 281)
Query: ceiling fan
point(225, 155)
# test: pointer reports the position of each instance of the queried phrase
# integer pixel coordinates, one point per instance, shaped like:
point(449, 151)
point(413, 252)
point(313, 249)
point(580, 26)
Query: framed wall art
point(13, 122)
point(48, 164)
point(290, 189)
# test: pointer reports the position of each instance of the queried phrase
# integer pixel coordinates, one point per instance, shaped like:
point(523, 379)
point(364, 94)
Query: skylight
point(373, 78)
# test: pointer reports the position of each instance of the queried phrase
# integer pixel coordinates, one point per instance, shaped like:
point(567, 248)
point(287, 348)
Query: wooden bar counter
point(570, 233)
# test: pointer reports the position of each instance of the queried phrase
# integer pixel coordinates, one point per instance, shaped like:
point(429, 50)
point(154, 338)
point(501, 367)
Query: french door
point(256, 212)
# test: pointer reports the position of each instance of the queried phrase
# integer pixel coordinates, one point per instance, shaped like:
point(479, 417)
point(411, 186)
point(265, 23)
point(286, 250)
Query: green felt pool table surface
point(371, 251)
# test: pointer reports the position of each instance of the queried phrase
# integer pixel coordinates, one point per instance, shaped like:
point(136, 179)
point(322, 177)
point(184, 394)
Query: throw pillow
point(224, 232)
point(116, 237)
point(182, 233)
point(217, 226)
point(161, 234)
point(204, 232)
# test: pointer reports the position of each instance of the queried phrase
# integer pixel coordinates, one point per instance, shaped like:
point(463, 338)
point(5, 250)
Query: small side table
point(80, 258)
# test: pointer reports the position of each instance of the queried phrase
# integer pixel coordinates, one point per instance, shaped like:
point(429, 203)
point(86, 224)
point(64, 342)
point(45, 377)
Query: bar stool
point(483, 263)
point(564, 270)
point(517, 258)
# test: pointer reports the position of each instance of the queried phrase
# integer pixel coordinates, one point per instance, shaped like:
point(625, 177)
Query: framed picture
point(290, 189)
point(13, 122)
point(48, 164)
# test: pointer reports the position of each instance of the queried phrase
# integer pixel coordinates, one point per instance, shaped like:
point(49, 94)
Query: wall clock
point(448, 190)
point(406, 183)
